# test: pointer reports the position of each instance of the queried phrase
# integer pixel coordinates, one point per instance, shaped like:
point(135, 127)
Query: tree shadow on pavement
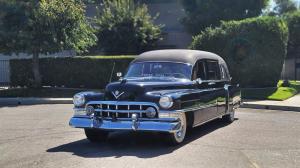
point(139, 144)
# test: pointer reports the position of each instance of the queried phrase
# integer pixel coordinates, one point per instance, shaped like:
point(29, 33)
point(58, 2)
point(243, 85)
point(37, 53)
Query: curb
point(270, 107)
point(34, 101)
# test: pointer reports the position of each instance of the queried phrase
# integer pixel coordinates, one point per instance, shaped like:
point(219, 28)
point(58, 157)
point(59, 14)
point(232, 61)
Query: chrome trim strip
point(188, 109)
point(129, 119)
point(118, 103)
point(207, 121)
point(160, 111)
point(121, 111)
point(128, 108)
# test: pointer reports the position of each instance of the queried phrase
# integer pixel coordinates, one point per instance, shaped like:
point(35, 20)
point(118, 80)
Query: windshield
point(159, 69)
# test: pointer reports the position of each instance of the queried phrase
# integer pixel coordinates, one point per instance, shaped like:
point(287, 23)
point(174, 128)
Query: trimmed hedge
point(74, 72)
point(254, 49)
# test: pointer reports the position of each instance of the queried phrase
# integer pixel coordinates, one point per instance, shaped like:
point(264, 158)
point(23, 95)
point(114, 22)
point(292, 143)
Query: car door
point(206, 100)
point(216, 85)
point(222, 90)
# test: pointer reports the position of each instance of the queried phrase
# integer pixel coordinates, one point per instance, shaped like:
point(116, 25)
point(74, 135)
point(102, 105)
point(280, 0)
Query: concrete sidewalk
point(291, 104)
point(33, 101)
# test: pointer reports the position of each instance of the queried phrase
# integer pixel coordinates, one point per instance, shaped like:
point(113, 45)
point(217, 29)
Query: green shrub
point(88, 72)
point(253, 48)
point(293, 21)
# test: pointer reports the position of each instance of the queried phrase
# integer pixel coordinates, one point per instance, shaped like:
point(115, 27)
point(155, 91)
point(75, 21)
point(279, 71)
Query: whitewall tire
point(178, 137)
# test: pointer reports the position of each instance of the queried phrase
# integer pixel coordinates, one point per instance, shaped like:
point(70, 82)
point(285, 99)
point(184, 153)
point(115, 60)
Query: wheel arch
point(190, 119)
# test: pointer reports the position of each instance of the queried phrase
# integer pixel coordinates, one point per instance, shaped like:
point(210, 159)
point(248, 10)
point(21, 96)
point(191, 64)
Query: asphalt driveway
point(39, 136)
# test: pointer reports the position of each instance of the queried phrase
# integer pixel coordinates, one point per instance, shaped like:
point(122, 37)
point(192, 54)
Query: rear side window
point(213, 70)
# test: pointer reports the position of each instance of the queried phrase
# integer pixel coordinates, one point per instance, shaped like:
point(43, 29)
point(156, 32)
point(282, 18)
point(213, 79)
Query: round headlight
point(150, 112)
point(165, 102)
point(78, 100)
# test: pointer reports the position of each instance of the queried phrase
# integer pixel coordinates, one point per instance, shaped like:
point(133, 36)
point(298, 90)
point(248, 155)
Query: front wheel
point(95, 135)
point(177, 137)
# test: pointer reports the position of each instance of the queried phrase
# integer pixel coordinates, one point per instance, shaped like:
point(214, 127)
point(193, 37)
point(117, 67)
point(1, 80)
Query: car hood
point(135, 90)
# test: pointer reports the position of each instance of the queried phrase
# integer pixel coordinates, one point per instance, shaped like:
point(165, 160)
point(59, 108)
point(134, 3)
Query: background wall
point(170, 13)
point(288, 71)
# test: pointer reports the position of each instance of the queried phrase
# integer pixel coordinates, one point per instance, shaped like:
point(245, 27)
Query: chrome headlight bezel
point(166, 102)
point(78, 99)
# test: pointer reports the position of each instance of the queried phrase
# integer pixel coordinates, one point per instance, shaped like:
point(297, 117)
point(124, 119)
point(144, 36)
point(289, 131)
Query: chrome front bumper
point(166, 125)
point(118, 115)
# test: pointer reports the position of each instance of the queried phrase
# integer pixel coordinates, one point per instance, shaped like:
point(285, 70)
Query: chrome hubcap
point(180, 134)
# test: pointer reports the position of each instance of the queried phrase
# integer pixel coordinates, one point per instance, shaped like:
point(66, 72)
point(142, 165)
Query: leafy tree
point(203, 13)
point(126, 28)
point(43, 27)
point(284, 6)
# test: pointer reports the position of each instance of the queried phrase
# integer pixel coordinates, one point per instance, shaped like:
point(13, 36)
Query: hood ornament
point(117, 93)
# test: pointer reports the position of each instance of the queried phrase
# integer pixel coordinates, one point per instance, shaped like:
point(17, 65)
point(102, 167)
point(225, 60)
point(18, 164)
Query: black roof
point(177, 55)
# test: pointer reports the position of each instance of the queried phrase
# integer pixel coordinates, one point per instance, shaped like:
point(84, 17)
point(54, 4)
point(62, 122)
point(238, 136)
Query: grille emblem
point(117, 94)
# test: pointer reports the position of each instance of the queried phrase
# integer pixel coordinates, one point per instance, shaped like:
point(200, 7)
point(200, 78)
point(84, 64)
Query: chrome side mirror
point(119, 74)
point(199, 81)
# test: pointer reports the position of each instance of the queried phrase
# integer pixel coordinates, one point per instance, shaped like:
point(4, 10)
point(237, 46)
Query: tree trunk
point(37, 83)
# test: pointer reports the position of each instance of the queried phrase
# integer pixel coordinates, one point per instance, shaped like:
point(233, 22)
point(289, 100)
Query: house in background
point(170, 12)
point(291, 68)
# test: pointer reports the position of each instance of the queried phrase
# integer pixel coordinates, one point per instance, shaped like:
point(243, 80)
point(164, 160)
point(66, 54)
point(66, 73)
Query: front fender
point(178, 96)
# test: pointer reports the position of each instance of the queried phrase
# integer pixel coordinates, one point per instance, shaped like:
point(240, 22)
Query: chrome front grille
point(121, 109)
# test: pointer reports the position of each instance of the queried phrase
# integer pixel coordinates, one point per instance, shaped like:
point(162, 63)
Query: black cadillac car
point(163, 91)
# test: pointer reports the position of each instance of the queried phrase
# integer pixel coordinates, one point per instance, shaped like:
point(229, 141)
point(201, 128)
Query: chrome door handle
point(211, 83)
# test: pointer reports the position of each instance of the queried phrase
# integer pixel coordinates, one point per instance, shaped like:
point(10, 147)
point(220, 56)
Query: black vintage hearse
point(163, 91)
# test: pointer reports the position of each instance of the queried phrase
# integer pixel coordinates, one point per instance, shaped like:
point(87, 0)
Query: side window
point(224, 73)
point(213, 70)
point(199, 71)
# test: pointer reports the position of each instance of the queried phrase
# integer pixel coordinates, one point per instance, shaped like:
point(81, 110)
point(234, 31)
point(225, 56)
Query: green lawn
point(280, 93)
point(42, 92)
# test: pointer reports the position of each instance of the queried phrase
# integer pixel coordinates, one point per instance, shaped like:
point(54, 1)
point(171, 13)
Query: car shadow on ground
point(141, 145)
